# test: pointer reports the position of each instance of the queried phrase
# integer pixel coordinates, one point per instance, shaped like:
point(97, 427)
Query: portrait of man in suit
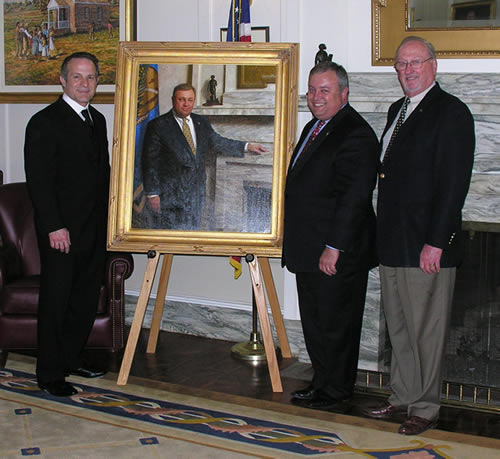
point(426, 166)
point(329, 233)
point(176, 147)
point(67, 173)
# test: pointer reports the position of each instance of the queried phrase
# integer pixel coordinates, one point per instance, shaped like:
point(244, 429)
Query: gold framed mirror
point(453, 37)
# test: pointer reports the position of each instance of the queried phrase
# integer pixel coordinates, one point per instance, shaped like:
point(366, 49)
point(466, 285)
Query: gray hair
point(428, 45)
point(325, 66)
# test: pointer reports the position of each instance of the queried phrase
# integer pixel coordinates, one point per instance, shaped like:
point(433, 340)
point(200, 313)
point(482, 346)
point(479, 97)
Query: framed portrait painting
point(214, 187)
point(36, 36)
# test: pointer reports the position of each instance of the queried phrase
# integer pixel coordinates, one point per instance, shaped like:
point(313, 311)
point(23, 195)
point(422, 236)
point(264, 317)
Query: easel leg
point(160, 301)
point(275, 307)
point(265, 326)
point(140, 310)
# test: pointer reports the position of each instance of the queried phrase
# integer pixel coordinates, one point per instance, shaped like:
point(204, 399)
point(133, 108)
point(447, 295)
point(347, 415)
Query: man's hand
point(59, 240)
point(430, 259)
point(256, 148)
point(154, 203)
point(328, 260)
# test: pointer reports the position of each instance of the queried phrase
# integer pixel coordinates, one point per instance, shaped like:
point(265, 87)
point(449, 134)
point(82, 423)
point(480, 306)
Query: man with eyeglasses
point(426, 165)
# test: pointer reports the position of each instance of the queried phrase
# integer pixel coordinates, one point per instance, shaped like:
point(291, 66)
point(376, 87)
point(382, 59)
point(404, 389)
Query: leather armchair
point(20, 277)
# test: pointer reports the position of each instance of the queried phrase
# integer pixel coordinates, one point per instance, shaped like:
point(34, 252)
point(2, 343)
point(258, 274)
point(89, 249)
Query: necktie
point(310, 140)
point(187, 134)
point(314, 134)
point(399, 123)
point(88, 119)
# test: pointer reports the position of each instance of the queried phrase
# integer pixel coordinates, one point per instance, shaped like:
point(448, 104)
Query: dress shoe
point(59, 388)
point(415, 425)
point(307, 393)
point(384, 410)
point(86, 373)
point(323, 401)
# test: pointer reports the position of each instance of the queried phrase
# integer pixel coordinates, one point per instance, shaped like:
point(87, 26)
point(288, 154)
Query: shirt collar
point(179, 119)
point(73, 104)
point(418, 98)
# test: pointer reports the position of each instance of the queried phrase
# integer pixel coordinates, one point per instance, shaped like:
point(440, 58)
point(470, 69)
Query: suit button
point(382, 175)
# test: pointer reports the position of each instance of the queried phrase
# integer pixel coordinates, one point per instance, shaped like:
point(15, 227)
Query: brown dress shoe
point(384, 410)
point(415, 425)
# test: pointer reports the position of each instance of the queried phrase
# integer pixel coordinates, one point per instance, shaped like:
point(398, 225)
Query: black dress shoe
point(86, 373)
point(59, 388)
point(323, 401)
point(307, 393)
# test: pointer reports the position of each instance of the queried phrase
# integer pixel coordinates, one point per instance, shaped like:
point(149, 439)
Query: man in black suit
point(174, 155)
point(67, 172)
point(423, 181)
point(329, 233)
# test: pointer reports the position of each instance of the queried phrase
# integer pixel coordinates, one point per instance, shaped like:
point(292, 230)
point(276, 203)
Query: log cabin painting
point(39, 34)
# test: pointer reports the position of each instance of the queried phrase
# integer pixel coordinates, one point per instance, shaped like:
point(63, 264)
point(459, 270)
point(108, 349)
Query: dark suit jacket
point(67, 173)
point(328, 196)
point(426, 179)
point(171, 171)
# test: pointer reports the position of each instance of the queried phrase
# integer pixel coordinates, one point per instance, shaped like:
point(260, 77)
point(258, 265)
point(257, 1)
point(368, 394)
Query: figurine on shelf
point(212, 90)
point(322, 55)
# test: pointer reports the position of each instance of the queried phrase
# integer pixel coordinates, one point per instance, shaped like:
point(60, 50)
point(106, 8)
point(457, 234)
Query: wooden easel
point(258, 289)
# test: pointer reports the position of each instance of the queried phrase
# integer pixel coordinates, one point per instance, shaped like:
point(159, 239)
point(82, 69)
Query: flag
point(238, 27)
point(147, 109)
point(235, 262)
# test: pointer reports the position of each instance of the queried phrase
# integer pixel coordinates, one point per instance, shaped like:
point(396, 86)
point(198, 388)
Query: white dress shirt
point(414, 101)
point(76, 106)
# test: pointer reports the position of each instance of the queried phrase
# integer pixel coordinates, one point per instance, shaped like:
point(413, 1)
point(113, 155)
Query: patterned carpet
point(105, 420)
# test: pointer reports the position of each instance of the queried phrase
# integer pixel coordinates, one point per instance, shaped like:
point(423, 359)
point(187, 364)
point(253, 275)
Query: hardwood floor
point(206, 364)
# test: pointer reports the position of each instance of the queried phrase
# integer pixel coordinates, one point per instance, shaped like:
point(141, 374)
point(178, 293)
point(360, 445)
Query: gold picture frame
point(123, 235)
point(390, 27)
point(17, 94)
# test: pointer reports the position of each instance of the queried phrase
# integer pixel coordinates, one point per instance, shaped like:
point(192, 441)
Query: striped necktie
point(399, 123)
point(187, 133)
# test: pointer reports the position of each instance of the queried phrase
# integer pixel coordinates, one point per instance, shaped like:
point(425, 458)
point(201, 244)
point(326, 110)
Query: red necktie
point(314, 134)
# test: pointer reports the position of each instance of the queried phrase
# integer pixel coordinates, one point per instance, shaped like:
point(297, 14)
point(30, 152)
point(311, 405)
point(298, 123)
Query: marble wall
point(371, 94)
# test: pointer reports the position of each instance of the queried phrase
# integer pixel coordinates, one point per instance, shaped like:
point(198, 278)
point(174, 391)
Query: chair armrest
point(119, 266)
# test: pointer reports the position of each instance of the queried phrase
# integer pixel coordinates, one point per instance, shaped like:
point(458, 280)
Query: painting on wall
point(205, 191)
point(36, 36)
point(251, 76)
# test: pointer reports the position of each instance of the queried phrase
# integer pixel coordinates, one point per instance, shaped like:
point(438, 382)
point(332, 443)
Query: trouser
point(331, 311)
point(417, 309)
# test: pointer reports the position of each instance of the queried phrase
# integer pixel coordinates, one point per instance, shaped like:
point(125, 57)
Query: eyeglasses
point(416, 64)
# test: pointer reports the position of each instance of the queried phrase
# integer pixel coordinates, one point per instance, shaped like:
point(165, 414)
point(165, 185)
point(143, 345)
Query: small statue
point(322, 55)
point(212, 90)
